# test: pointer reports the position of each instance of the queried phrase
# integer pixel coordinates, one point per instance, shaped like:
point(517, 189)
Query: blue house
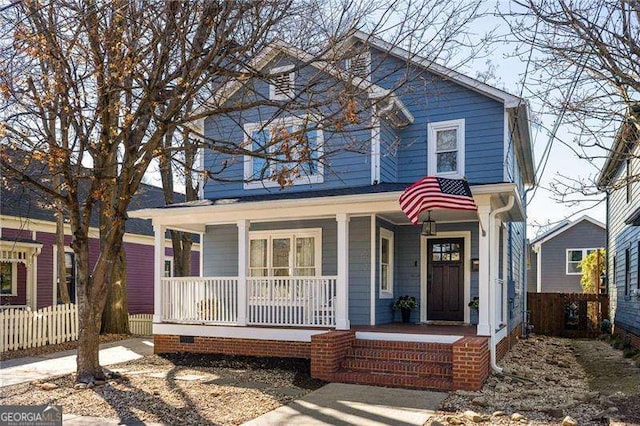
point(619, 178)
point(313, 268)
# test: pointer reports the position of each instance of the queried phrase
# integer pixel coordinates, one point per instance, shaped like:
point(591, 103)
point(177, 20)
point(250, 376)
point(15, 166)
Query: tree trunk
point(90, 306)
point(115, 317)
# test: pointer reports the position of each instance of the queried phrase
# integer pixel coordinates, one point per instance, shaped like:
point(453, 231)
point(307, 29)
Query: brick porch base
point(337, 356)
point(508, 342)
point(634, 339)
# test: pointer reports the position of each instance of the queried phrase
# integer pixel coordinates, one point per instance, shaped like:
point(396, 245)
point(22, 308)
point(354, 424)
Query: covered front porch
point(337, 262)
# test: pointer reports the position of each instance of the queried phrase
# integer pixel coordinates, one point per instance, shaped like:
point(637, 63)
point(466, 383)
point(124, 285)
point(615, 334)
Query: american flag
point(432, 193)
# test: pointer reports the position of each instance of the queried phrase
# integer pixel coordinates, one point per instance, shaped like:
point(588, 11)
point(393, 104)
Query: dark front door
point(445, 279)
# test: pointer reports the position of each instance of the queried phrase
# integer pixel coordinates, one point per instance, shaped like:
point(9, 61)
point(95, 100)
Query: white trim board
point(257, 333)
point(405, 337)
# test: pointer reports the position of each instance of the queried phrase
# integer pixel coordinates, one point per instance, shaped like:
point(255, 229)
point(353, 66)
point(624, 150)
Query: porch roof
point(287, 205)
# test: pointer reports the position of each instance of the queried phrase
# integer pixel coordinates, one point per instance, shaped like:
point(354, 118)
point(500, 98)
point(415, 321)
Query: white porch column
point(158, 259)
point(34, 295)
point(243, 267)
point(342, 291)
point(29, 287)
point(484, 249)
point(494, 241)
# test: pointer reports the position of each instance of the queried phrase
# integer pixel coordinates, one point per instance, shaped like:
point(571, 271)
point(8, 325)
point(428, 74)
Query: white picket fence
point(21, 329)
point(141, 324)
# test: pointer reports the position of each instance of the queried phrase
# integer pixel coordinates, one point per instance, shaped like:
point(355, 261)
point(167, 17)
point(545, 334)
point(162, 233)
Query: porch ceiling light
point(428, 227)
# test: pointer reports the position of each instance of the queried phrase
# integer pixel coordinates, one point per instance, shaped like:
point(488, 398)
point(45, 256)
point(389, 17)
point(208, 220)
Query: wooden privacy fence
point(141, 324)
point(567, 314)
point(20, 329)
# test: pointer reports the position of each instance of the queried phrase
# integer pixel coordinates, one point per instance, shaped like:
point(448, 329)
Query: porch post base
point(343, 325)
point(157, 319)
point(484, 330)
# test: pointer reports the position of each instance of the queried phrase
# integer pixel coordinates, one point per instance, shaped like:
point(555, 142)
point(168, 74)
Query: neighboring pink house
point(28, 252)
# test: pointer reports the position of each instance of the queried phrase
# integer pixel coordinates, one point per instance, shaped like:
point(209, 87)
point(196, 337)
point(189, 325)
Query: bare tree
point(585, 69)
point(93, 90)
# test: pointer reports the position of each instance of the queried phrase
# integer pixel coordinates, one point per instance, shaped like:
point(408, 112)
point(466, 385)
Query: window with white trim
point(446, 148)
point(289, 149)
point(8, 279)
point(574, 257)
point(359, 65)
point(168, 267)
point(386, 263)
point(282, 85)
point(285, 253)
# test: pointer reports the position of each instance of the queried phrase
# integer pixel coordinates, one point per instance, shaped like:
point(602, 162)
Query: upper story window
point(386, 263)
point(574, 257)
point(282, 86)
point(286, 152)
point(446, 148)
point(360, 65)
point(8, 279)
point(296, 252)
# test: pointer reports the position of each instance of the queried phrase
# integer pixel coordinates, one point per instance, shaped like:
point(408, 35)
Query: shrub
point(605, 326)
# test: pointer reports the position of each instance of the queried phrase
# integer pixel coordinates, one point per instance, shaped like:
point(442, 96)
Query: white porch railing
point(275, 301)
point(201, 300)
point(292, 301)
point(499, 310)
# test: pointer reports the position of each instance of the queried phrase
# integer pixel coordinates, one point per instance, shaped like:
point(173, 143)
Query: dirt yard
point(552, 381)
point(178, 390)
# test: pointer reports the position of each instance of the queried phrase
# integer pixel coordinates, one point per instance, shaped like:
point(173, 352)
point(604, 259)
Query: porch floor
point(440, 330)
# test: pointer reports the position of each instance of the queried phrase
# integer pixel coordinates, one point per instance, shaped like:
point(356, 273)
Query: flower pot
point(406, 315)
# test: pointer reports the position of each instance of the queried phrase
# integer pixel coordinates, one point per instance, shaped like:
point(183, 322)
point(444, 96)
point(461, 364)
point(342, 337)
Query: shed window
point(574, 257)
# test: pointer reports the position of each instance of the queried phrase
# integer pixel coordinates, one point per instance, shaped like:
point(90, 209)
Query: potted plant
point(474, 304)
point(405, 304)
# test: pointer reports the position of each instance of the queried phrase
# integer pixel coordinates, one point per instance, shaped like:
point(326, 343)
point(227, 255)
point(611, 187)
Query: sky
point(509, 72)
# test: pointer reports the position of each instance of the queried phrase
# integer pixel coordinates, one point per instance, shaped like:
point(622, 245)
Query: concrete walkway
point(343, 404)
point(20, 370)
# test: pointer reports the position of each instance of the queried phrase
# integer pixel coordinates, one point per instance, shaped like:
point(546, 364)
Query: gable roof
point(624, 142)
point(518, 107)
point(563, 227)
point(276, 47)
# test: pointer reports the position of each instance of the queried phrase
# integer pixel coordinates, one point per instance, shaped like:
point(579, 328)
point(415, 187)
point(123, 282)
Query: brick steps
point(393, 380)
point(405, 368)
point(400, 355)
point(415, 365)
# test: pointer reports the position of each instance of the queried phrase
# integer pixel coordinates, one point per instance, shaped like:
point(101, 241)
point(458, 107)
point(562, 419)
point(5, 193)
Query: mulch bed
point(179, 389)
point(49, 349)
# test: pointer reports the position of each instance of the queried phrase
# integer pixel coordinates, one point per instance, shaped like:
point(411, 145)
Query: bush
point(617, 343)
point(605, 326)
point(630, 352)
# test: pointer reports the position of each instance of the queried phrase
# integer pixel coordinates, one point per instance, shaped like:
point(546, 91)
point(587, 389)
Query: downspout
point(492, 287)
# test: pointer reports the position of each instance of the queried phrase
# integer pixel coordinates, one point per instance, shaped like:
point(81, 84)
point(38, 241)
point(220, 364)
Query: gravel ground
point(179, 389)
point(44, 350)
point(542, 383)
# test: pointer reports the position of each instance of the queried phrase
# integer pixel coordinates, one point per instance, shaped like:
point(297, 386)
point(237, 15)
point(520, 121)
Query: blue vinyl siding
point(625, 308)
point(346, 153)
point(516, 252)
point(430, 99)
point(389, 144)
point(220, 251)
point(359, 270)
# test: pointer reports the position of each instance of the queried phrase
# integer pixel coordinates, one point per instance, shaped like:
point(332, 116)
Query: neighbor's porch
point(344, 286)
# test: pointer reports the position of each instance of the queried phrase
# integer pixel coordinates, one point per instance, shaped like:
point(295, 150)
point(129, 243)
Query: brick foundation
point(508, 342)
point(622, 332)
point(164, 343)
point(327, 352)
point(470, 363)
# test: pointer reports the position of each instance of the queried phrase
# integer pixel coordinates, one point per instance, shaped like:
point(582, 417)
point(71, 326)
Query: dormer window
point(282, 83)
point(360, 65)
point(446, 148)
